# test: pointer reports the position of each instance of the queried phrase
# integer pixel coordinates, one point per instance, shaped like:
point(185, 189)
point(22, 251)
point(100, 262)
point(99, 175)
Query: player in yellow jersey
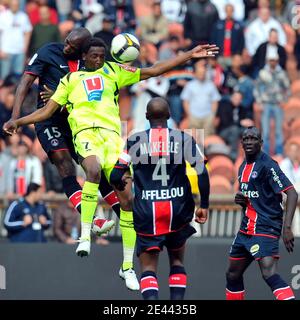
point(92, 99)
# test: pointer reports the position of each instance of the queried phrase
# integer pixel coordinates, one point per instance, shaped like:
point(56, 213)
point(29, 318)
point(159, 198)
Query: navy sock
point(73, 191)
point(149, 285)
point(235, 289)
point(280, 288)
point(177, 282)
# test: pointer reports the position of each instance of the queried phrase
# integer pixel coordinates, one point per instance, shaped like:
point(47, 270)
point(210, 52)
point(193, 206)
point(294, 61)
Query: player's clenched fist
point(201, 215)
point(10, 127)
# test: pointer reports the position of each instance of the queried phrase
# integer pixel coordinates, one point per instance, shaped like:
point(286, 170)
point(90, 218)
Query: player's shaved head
point(79, 34)
point(252, 131)
point(158, 110)
point(74, 42)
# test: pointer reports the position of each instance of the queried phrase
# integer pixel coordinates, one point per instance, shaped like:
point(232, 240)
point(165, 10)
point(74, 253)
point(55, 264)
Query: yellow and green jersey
point(92, 97)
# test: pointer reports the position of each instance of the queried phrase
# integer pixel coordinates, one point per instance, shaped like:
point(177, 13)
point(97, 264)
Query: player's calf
point(234, 287)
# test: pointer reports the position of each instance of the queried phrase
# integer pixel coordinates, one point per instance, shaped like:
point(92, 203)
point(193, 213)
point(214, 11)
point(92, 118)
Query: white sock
point(85, 230)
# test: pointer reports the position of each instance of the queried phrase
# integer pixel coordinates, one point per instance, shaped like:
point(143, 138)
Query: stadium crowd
point(253, 81)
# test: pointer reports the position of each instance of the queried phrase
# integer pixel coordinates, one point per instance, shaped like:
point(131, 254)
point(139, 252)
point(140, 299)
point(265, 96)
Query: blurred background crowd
point(253, 81)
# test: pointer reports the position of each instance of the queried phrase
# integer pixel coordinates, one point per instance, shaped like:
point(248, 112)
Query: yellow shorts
point(107, 145)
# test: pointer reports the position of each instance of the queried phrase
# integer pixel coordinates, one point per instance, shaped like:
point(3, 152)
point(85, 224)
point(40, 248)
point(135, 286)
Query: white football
point(125, 47)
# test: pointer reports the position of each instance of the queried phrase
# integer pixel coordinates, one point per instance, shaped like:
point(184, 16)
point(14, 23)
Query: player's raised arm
point(201, 51)
point(22, 90)
point(44, 113)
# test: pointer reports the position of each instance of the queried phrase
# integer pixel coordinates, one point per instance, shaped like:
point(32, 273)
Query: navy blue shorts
point(255, 247)
point(172, 241)
point(55, 135)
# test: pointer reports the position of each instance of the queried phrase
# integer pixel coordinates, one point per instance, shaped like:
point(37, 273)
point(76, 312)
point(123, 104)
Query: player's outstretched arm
point(287, 233)
point(22, 90)
point(44, 113)
point(201, 51)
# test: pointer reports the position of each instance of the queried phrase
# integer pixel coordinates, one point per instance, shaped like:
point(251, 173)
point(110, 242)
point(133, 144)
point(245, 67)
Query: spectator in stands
point(259, 58)
point(15, 31)
point(231, 78)
point(228, 34)
point(169, 49)
point(33, 10)
point(66, 223)
point(245, 86)
point(199, 20)
point(27, 219)
point(122, 14)
point(291, 165)
point(271, 90)
point(258, 31)
point(200, 100)
point(145, 90)
point(215, 72)
point(174, 10)
point(238, 9)
point(231, 120)
point(154, 28)
point(259, 4)
point(23, 170)
point(44, 31)
point(106, 34)
point(5, 159)
point(6, 109)
point(94, 20)
point(64, 8)
point(82, 9)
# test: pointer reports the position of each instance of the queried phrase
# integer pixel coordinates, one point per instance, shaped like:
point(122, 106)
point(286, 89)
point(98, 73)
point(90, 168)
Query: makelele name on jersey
point(164, 147)
point(248, 193)
point(162, 194)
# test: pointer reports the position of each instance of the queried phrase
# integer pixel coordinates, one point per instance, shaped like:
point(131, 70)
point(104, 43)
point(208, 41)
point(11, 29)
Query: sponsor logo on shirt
point(254, 174)
point(162, 194)
point(248, 193)
point(254, 249)
point(54, 142)
point(94, 87)
point(276, 178)
point(126, 67)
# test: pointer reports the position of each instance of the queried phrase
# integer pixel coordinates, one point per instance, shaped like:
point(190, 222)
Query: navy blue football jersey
point(262, 182)
point(50, 65)
point(163, 201)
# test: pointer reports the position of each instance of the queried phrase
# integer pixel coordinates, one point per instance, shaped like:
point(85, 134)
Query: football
point(125, 47)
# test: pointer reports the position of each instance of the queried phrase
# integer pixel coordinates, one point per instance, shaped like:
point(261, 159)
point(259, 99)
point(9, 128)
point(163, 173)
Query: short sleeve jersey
point(49, 64)
point(163, 201)
point(92, 97)
point(262, 182)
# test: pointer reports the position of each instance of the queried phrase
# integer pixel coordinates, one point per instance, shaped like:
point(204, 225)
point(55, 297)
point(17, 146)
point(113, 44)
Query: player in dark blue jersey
point(261, 183)
point(163, 203)
point(49, 65)
point(52, 62)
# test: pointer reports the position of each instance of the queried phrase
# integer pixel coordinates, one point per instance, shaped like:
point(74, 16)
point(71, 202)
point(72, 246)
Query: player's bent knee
point(93, 174)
